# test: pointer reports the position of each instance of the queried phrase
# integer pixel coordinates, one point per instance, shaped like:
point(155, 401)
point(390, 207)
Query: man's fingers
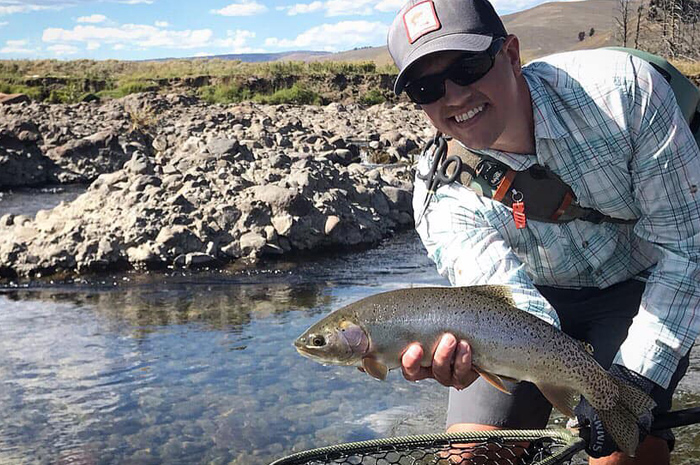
point(410, 363)
point(443, 359)
point(463, 374)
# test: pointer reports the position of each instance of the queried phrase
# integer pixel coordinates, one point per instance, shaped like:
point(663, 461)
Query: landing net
point(511, 447)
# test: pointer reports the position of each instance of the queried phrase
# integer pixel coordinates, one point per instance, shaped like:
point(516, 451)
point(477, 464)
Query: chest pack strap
point(547, 197)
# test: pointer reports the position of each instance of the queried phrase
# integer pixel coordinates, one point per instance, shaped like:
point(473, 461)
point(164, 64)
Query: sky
point(149, 29)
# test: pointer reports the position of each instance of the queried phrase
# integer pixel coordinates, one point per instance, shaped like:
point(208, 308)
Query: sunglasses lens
point(463, 72)
point(469, 70)
point(426, 90)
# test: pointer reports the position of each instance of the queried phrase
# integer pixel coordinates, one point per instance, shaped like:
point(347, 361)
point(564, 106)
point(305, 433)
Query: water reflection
point(221, 307)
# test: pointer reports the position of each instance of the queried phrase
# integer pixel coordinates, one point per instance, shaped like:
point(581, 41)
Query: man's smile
point(469, 114)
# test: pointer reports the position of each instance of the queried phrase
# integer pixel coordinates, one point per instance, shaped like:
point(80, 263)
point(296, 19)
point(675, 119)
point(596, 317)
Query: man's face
point(477, 114)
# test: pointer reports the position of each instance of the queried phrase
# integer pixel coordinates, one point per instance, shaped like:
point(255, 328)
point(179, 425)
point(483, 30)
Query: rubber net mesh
point(542, 447)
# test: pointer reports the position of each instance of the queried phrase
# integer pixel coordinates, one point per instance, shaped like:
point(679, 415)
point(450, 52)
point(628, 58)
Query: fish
point(506, 343)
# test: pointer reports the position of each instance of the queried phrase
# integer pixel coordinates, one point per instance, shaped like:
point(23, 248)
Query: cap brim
point(451, 42)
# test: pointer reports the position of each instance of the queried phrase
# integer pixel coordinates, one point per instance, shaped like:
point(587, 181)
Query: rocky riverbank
point(176, 182)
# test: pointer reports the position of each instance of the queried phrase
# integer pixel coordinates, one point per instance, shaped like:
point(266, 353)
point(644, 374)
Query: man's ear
point(511, 49)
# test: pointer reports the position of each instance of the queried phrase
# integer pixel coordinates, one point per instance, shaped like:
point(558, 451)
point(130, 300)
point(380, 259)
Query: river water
point(199, 368)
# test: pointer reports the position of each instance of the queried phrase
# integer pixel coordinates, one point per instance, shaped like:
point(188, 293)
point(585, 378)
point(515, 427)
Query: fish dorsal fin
point(495, 291)
point(374, 368)
point(562, 398)
point(493, 380)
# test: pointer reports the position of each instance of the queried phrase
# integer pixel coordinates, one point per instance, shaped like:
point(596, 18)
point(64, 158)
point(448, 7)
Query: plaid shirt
point(609, 126)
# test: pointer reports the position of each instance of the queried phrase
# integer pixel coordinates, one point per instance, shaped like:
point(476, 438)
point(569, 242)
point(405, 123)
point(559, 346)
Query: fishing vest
point(549, 198)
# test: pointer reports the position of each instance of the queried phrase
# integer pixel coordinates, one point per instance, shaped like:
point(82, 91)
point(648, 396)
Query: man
point(608, 125)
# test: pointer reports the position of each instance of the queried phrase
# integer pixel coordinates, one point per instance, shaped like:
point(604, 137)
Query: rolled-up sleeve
point(469, 251)
point(666, 176)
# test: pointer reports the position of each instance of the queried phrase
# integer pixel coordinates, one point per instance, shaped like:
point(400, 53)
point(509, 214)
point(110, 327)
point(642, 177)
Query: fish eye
point(318, 341)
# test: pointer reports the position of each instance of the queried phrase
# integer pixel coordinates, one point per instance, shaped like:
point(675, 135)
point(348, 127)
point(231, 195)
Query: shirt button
point(584, 244)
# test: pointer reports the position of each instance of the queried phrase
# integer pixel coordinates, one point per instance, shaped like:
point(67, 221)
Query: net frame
point(568, 444)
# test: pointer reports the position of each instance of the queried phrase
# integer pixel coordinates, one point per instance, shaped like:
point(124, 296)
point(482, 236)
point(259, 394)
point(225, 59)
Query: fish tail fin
point(633, 408)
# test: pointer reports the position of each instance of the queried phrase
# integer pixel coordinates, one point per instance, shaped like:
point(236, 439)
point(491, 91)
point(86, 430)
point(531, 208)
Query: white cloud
point(17, 47)
point(3, 23)
point(243, 8)
point(345, 7)
point(138, 35)
point(235, 40)
point(62, 49)
point(94, 19)
point(162, 24)
point(8, 7)
point(348, 7)
point(302, 8)
point(334, 37)
point(389, 6)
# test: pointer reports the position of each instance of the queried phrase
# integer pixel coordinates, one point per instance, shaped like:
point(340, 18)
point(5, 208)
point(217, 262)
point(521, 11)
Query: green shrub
point(34, 93)
point(372, 97)
point(135, 87)
point(225, 93)
point(296, 94)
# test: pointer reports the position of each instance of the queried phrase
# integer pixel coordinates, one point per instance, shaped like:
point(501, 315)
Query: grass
point(688, 68)
point(372, 97)
point(59, 81)
point(139, 70)
point(227, 93)
point(297, 94)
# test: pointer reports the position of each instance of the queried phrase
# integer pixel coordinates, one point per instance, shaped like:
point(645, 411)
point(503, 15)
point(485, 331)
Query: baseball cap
point(423, 27)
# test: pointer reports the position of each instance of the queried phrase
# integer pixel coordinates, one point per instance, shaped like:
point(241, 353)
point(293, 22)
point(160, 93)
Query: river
point(199, 368)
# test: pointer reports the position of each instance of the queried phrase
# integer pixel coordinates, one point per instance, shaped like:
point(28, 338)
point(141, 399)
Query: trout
point(506, 343)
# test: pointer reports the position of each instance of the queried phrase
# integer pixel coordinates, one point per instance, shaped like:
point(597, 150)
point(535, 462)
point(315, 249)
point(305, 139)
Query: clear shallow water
point(200, 368)
point(28, 201)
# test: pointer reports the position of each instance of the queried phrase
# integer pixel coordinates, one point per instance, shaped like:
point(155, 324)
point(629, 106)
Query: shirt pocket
point(591, 245)
point(599, 173)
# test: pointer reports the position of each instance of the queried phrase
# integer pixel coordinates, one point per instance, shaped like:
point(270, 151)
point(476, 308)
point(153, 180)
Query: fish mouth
point(319, 355)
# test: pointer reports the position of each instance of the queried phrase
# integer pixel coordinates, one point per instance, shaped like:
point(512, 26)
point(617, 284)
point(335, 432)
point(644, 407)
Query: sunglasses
point(466, 70)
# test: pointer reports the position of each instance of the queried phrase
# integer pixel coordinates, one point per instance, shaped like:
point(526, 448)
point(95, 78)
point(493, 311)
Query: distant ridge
point(300, 55)
point(544, 29)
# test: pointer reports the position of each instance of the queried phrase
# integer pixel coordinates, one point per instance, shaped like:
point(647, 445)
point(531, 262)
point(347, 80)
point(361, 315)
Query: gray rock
point(251, 180)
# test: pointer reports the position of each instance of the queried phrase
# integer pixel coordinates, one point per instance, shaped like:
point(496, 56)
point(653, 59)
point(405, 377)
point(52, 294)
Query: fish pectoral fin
point(493, 380)
point(562, 398)
point(375, 368)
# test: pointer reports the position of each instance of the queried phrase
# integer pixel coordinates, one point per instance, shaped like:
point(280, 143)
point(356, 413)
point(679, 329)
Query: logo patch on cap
point(420, 19)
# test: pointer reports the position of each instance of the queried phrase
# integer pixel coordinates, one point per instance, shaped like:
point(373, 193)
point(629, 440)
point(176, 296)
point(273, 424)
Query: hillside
point(542, 30)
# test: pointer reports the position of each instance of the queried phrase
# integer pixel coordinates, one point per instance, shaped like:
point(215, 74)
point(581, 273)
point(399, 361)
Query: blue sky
point(144, 29)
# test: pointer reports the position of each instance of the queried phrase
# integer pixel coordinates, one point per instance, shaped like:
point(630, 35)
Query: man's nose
point(454, 92)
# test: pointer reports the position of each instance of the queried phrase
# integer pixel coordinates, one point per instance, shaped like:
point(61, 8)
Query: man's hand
point(451, 366)
point(600, 443)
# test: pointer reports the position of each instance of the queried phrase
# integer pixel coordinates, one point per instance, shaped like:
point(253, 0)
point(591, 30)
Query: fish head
point(334, 341)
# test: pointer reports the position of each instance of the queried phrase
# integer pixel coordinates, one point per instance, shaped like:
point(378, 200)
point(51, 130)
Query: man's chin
point(471, 142)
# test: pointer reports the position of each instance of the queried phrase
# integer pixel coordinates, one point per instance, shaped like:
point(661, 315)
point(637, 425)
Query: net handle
point(668, 420)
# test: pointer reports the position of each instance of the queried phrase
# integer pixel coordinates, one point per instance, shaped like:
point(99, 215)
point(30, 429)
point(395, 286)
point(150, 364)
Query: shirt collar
point(547, 123)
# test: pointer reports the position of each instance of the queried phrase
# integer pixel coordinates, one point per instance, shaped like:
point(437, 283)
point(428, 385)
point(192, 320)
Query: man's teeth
point(469, 115)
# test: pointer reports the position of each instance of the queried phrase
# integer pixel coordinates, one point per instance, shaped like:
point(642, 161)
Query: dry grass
point(688, 68)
